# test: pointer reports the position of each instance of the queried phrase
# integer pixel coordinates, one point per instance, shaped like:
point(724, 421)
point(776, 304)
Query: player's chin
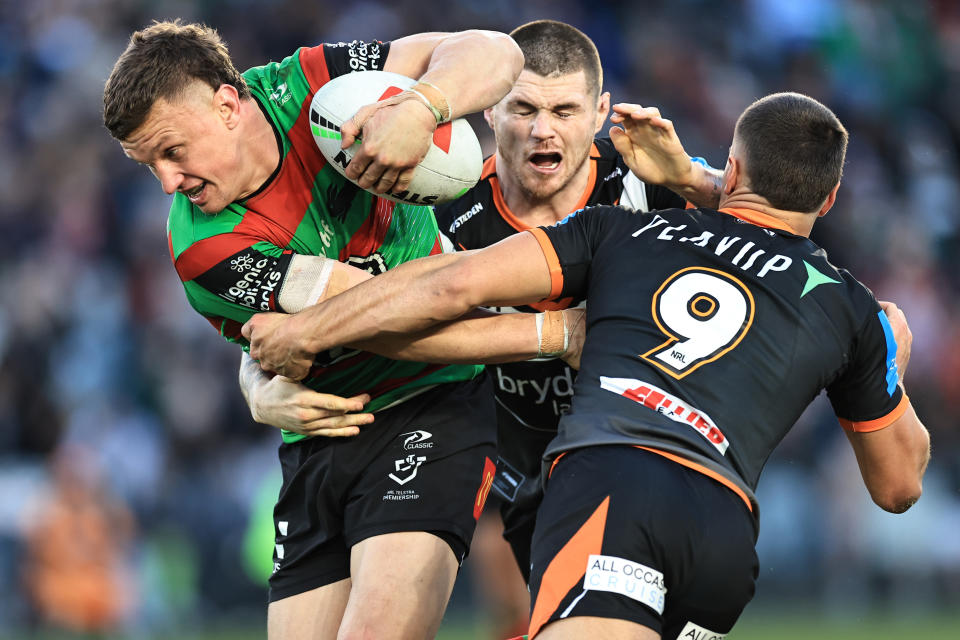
point(543, 185)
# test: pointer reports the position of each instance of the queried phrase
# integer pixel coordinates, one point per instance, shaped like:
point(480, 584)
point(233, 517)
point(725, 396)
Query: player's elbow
point(500, 52)
point(899, 498)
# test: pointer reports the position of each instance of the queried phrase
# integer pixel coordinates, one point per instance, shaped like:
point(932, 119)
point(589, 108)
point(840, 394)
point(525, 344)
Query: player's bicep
point(410, 55)
point(511, 272)
point(867, 396)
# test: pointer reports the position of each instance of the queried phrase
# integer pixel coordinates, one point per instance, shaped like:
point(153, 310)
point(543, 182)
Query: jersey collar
point(759, 218)
point(490, 173)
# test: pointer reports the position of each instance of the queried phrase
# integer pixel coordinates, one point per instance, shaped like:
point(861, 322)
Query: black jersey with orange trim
point(535, 394)
point(709, 332)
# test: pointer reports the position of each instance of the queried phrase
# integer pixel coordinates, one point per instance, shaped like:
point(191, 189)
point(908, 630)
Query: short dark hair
point(793, 149)
point(160, 62)
point(552, 48)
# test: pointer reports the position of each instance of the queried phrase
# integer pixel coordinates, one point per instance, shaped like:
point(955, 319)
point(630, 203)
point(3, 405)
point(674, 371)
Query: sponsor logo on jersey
point(616, 173)
point(631, 579)
point(551, 387)
point(692, 631)
point(281, 95)
point(260, 277)
point(668, 405)
point(241, 263)
point(815, 279)
point(416, 440)
point(474, 210)
point(406, 468)
point(364, 55)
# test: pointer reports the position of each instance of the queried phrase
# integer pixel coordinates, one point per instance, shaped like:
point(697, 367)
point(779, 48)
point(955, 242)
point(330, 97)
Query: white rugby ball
point(453, 162)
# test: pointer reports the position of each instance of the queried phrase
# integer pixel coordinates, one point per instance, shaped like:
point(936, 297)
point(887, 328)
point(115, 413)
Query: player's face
point(190, 146)
point(544, 129)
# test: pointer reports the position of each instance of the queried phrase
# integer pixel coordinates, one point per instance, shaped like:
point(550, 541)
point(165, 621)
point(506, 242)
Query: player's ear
point(603, 110)
point(828, 203)
point(226, 101)
point(731, 175)
point(488, 116)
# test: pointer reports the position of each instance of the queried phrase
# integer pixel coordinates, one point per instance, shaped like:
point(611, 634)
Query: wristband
point(553, 336)
point(435, 99)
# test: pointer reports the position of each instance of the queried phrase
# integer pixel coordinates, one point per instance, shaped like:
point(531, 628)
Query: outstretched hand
point(650, 146)
point(289, 405)
point(275, 342)
point(396, 135)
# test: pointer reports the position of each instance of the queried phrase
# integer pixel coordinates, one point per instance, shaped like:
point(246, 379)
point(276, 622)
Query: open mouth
point(194, 194)
point(545, 161)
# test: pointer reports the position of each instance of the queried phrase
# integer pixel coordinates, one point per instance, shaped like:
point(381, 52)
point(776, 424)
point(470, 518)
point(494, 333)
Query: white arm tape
point(306, 282)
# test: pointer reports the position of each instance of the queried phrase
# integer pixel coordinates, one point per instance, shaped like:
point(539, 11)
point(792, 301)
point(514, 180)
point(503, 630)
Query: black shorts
point(517, 483)
point(424, 465)
point(628, 534)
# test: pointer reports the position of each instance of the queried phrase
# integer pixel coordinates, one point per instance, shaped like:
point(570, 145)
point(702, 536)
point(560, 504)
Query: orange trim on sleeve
point(690, 464)
point(553, 262)
point(568, 567)
point(877, 423)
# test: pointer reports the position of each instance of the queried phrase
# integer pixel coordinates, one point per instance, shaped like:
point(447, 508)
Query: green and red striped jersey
point(233, 264)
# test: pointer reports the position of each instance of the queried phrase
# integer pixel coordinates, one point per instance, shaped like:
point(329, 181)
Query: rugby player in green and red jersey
point(708, 333)
point(369, 530)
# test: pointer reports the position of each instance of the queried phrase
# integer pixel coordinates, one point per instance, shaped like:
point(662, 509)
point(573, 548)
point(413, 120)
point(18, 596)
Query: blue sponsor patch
point(892, 374)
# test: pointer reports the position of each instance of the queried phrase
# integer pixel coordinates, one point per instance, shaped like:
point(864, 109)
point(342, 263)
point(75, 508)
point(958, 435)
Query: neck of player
point(261, 147)
point(799, 223)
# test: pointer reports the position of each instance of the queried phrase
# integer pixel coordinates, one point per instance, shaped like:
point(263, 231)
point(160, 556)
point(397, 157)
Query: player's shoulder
point(470, 209)
point(187, 224)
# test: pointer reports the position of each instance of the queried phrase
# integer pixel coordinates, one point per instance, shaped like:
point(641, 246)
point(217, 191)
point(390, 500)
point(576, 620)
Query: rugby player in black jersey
point(547, 165)
point(708, 333)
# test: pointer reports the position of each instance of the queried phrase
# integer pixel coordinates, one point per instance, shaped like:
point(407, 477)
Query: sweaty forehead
point(549, 91)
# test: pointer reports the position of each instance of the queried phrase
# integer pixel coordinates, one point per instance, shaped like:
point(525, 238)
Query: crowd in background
point(129, 465)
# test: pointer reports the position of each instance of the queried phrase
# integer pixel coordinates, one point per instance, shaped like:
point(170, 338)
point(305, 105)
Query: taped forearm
point(312, 279)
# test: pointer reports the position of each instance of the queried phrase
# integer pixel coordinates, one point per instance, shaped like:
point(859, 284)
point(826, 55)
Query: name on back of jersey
point(743, 255)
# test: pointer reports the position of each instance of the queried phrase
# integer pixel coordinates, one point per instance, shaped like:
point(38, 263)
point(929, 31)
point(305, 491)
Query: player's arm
point(285, 403)
point(650, 147)
point(893, 458)
point(892, 461)
point(408, 299)
point(484, 337)
point(459, 73)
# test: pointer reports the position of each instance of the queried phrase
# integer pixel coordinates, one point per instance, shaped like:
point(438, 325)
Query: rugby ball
point(452, 164)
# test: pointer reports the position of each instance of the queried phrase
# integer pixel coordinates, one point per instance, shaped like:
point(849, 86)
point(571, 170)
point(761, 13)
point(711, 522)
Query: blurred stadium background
point(129, 467)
